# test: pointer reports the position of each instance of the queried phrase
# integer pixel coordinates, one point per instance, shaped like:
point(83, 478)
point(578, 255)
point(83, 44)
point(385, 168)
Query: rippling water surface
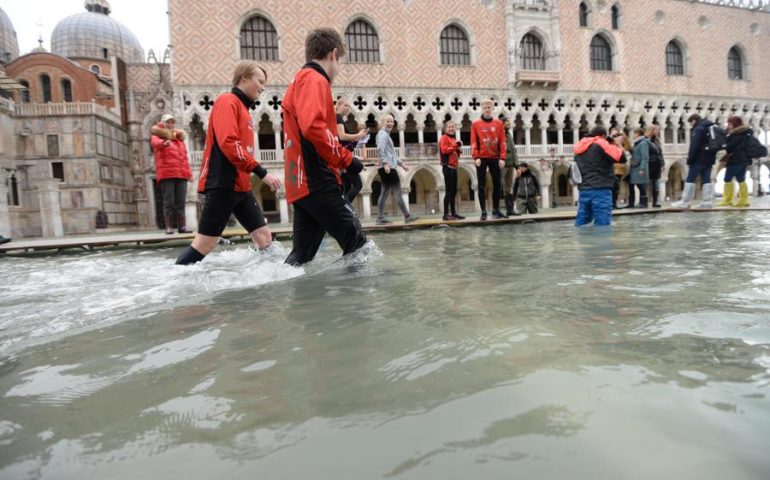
point(528, 351)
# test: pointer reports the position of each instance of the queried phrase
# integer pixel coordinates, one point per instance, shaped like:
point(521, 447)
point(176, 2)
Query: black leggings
point(481, 174)
point(450, 181)
point(352, 185)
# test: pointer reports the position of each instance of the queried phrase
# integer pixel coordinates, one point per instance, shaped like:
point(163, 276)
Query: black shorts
point(218, 206)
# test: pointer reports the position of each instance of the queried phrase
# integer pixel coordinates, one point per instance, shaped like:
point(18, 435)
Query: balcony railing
point(537, 77)
point(64, 109)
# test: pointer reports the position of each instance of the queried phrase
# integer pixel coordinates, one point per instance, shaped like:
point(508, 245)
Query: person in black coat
point(700, 162)
point(738, 160)
point(656, 162)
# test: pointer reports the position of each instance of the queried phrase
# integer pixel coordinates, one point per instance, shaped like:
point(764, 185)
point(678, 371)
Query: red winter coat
point(450, 151)
point(313, 155)
point(170, 161)
point(488, 139)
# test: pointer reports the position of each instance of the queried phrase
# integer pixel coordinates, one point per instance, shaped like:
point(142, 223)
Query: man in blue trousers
point(595, 155)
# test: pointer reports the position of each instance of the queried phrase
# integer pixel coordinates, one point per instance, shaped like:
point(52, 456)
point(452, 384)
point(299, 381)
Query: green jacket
point(511, 160)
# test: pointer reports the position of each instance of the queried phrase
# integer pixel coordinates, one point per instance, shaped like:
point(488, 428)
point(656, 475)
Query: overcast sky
point(33, 18)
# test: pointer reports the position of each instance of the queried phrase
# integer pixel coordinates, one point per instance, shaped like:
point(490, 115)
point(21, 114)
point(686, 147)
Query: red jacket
point(228, 159)
point(450, 151)
point(313, 155)
point(488, 139)
point(170, 161)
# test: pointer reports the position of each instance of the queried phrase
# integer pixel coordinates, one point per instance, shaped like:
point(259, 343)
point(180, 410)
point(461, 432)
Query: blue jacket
point(698, 142)
point(640, 162)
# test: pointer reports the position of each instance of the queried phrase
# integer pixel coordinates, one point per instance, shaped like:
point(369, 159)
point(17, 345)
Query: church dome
point(89, 34)
point(9, 45)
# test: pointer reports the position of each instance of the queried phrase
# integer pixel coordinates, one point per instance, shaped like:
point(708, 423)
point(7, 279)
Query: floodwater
point(516, 351)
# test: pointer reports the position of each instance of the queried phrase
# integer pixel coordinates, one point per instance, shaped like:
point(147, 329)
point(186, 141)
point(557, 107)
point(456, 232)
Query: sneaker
point(498, 215)
point(483, 216)
point(656, 205)
point(411, 218)
point(457, 216)
point(184, 230)
point(169, 231)
point(447, 218)
point(382, 221)
point(4, 240)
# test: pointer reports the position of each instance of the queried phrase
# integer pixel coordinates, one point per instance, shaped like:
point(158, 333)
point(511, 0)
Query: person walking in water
point(352, 183)
point(228, 162)
point(488, 150)
point(595, 156)
point(172, 171)
point(313, 156)
point(450, 150)
point(700, 160)
point(389, 180)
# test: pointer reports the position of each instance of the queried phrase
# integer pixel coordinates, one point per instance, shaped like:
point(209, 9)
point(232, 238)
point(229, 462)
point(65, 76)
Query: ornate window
point(45, 87)
point(25, 96)
point(615, 17)
point(455, 47)
point(259, 40)
point(66, 89)
point(601, 54)
point(532, 53)
point(734, 64)
point(363, 42)
point(583, 13)
point(674, 59)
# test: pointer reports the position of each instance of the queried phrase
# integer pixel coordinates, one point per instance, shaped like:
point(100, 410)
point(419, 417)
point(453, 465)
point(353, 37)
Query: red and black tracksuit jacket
point(488, 139)
point(228, 159)
point(450, 151)
point(313, 155)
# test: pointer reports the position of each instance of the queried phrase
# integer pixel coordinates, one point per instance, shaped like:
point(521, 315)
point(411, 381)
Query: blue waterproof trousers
point(594, 205)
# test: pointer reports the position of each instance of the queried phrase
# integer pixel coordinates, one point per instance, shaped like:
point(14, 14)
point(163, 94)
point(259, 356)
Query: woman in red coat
point(172, 171)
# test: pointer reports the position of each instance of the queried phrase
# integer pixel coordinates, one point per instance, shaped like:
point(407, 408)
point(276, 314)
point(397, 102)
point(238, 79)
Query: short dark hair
point(321, 42)
point(694, 118)
point(598, 131)
point(639, 131)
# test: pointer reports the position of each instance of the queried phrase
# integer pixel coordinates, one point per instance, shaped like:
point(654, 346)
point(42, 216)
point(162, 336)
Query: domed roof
point(87, 34)
point(9, 45)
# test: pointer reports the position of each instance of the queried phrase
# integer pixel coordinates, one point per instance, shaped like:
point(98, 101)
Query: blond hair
point(487, 102)
point(385, 117)
point(446, 125)
point(246, 69)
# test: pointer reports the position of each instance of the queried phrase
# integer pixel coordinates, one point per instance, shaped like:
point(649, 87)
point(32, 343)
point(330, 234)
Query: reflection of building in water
point(555, 68)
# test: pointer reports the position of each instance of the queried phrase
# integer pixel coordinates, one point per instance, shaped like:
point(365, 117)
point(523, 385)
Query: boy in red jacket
point(313, 156)
point(228, 162)
point(172, 171)
point(488, 150)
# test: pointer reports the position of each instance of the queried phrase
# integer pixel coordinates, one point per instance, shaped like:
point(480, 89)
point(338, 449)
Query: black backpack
point(716, 139)
point(755, 149)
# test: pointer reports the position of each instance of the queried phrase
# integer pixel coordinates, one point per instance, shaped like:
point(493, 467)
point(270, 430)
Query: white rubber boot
point(687, 194)
point(708, 196)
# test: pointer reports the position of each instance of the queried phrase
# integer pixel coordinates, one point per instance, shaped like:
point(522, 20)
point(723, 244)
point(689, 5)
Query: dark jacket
point(640, 162)
point(656, 159)
point(595, 157)
point(698, 142)
point(511, 159)
point(737, 143)
point(526, 186)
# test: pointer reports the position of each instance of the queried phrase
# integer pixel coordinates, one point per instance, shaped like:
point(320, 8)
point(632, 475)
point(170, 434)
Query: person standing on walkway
point(526, 190)
point(390, 182)
point(656, 162)
point(450, 150)
point(640, 168)
point(313, 157)
point(172, 170)
point(620, 170)
point(352, 183)
point(700, 160)
point(511, 162)
point(595, 155)
point(739, 136)
point(488, 149)
point(228, 162)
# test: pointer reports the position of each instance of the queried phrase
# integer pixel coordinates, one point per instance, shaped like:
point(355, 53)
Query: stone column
point(366, 201)
point(278, 148)
point(544, 139)
point(477, 198)
point(560, 137)
point(687, 134)
point(545, 184)
point(755, 171)
point(50, 207)
point(5, 216)
point(441, 195)
point(420, 134)
point(405, 196)
point(527, 138)
point(283, 206)
point(401, 140)
point(575, 133)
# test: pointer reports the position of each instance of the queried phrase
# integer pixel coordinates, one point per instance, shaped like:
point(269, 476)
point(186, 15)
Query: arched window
point(96, 69)
point(615, 17)
point(66, 89)
point(455, 47)
point(734, 64)
point(363, 43)
point(674, 59)
point(259, 40)
point(532, 53)
point(45, 87)
point(583, 14)
point(601, 54)
point(25, 96)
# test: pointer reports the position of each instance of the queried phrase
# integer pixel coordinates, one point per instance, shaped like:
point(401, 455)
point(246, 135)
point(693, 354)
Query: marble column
point(278, 148)
point(405, 196)
point(544, 139)
point(50, 207)
point(476, 197)
point(283, 206)
point(441, 196)
point(401, 140)
point(366, 201)
point(5, 216)
point(420, 134)
point(560, 137)
point(527, 138)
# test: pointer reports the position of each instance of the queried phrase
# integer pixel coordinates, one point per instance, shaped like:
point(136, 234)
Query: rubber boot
point(181, 223)
point(743, 195)
point(687, 194)
point(708, 196)
point(169, 225)
point(189, 256)
point(727, 196)
point(509, 204)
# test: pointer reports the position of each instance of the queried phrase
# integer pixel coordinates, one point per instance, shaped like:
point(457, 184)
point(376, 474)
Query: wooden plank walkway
point(283, 231)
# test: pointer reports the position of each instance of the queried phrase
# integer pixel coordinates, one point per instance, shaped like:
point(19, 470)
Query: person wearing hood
point(595, 156)
point(640, 168)
point(738, 160)
point(700, 161)
point(172, 171)
point(488, 149)
point(526, 190)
